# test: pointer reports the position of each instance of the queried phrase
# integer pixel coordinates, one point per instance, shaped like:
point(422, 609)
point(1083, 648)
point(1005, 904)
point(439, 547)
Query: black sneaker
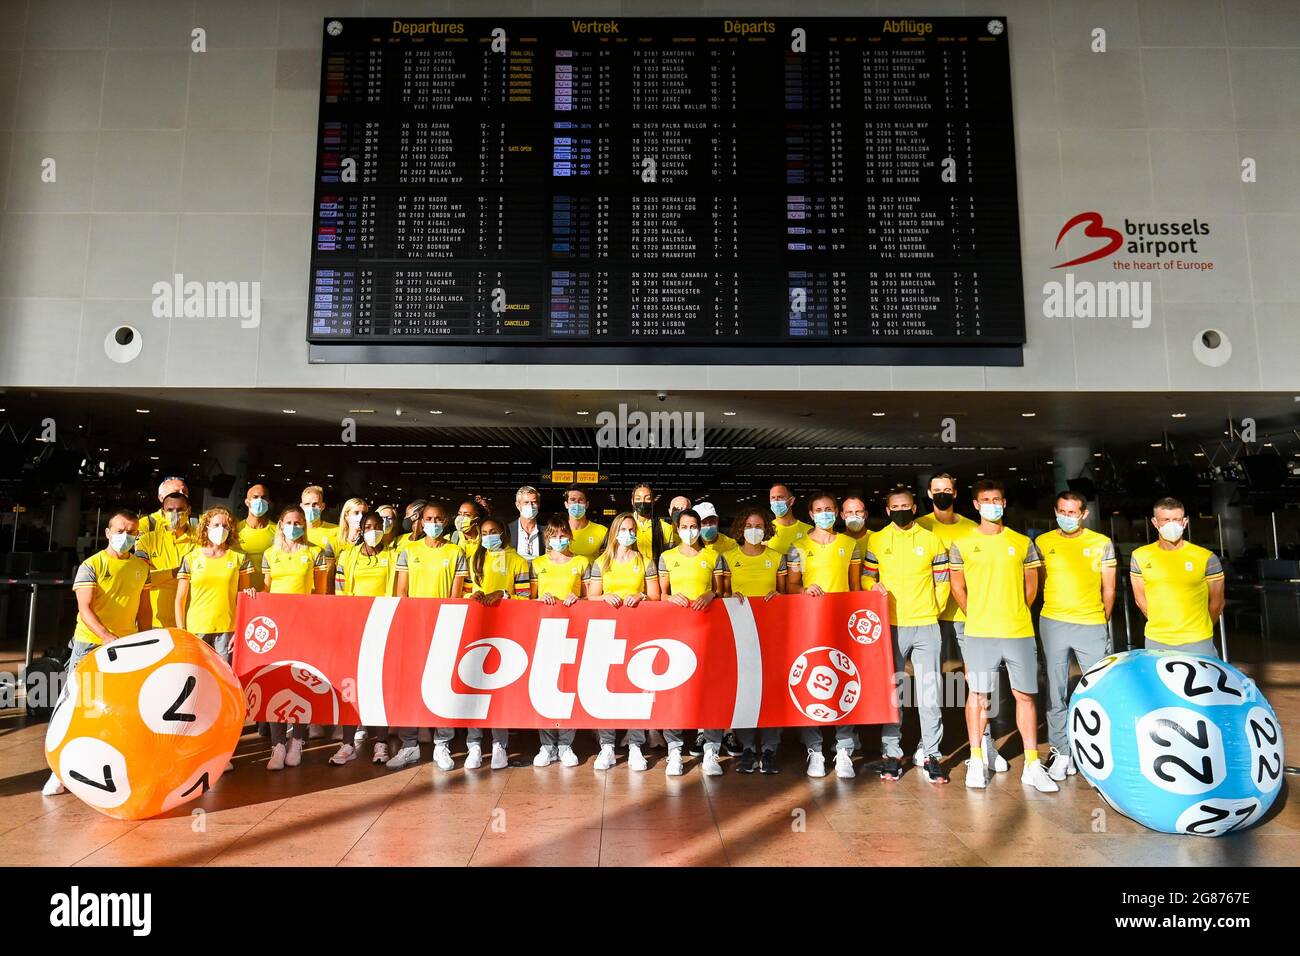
point(767, 763)
point(891, 769)
point(731, 744)
point(697, 748)
point(747, 761)
point(933, 770)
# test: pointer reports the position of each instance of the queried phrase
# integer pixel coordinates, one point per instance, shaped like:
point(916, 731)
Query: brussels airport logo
point(637, 429)
point(179, 299)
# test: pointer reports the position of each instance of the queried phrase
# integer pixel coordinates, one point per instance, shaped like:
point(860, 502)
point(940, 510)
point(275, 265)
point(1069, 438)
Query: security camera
point(662, 396)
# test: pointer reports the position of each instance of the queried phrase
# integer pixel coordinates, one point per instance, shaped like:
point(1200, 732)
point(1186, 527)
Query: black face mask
point(942, 500)
point(673, 514)
point(407, 524)
point(902, 518)
point(644, 508)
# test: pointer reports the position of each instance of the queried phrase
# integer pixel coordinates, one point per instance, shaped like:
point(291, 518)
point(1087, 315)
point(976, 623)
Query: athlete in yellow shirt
point(823, 562)
point(256, 533)
point(653, 535)
point(622, 577)
point(586, 537)
point(787, 530)
point(945, 522)
point(1078, 594)
point(431, 567)
point(994, 573)
point(1178, 585)
point(710, 529)
point(209, 581)
point(853, 512)
point(910, 564)
point(110, 589)
point(164, 549)
point(558, 576)
point(467, 534)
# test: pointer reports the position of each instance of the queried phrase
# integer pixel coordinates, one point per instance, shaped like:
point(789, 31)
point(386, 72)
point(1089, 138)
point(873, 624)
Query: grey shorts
point(984, 655)
point(1196, 647)
point(223, 643)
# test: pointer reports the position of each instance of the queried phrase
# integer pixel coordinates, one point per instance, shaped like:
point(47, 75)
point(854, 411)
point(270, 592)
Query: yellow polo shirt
point(118, 584)
point(1072, 580)
point(947, 534)
point(994, 568)
point(1177, 584)
point(912, 564)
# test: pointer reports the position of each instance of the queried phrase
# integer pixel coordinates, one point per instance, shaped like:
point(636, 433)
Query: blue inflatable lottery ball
point(1181, 743)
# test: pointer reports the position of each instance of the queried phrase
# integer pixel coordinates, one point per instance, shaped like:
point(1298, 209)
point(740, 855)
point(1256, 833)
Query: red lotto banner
point(423, 662)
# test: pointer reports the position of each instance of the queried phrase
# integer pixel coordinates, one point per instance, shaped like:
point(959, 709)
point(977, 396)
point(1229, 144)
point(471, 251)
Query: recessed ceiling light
point(1178, 415)
point(142, 411)
point(1201, 454)
point(877, 414)
point(277, 464)
point(1012, 468)
point(728, 414)
point(289, 411)
point(153, 457)
point(1156, 444)
point(435, 411)
point(153, 439)
point(1050, 462)
point(584, 413)
point(1028, 414)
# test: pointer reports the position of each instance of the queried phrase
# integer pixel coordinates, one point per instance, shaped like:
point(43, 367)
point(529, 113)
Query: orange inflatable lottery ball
point(145, 723)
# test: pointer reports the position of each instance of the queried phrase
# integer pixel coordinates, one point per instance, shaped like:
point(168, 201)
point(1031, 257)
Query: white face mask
point(354, 520)
point(754, 535)
point(218, 533)
point(689, 535)
point(372, 536)
point(1171, 530)
point(855, 522)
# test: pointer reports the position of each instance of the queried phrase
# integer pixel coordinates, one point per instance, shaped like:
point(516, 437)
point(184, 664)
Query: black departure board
point(769, 189)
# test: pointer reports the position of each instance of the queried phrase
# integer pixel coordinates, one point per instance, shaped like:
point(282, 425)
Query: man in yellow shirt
point(1178, 585)
point(157, 520)
point(165, 549)
point(109, 586)
point(256, 533)
point(994, 576)
point(910, 564)
point(710, 529)
point(1078, 593)
point(586, 537)
point(789, 530)
point(853, 512)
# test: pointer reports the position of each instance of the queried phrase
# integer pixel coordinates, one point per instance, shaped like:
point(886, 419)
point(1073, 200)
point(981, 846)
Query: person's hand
point(879, 586)
point(613, 600)
point(548, 599)
point(571, 600)
point(815, 591)
point(678, 599)
point(771, 595)
point(703, 601)
point(632, 600)
point(250, 592)
point(740, 598)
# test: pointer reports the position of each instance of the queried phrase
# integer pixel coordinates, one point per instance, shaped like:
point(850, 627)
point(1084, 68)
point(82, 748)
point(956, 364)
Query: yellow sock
point(977, 753)
point(1031, 756)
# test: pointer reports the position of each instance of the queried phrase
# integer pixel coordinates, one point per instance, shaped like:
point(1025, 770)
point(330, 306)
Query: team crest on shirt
point(703, 563)
point(1011, 549)
point(920, 551)
point(1087, 552)
point(767, 562)
point(841, 552)
point(1188, 565)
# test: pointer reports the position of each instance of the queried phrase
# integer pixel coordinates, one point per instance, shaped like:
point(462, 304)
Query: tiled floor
point(363, 815)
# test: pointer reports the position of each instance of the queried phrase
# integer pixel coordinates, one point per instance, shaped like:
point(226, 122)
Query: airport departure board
point(544, 189)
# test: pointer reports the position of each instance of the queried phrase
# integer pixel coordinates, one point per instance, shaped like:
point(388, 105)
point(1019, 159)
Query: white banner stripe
point(749, 663)
point(370, 662)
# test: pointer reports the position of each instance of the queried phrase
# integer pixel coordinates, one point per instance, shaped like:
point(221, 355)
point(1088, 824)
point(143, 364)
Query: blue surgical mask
point(433, 529)
point(293, 531)
point(312, 512)
point(558, 544)
point(528, 511)
point(492, 542)
point(258, 507)
point(824, 519)
point(577, 509)
point(780, 507)
point(709, 532)
point(1067, 524)
point(991, 512)
point(627, 538)
point(122, 542)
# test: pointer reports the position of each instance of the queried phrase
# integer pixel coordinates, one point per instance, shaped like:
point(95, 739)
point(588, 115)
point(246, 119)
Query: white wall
point(202, 164)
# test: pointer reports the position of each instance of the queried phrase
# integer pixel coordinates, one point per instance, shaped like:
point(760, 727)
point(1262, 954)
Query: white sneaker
point(314, 732)
point(711, 766)
point(294, 756)
point(442, 757)
point(473, 759)
point(674, 768)
point(1035, 775)
point(404, 757)
point(636, 759)
point(568, 758)
point(1060, 766)
point(343, 755)
point(381, 753)
point(544, 757)
point(844, 764)
point(53, 786)
point(500, 758)
point(607, 757)
point(977, 774)
point(992, 759)
point(277, 758)
point(919, 757)
point(655, 740)
point(816, 764)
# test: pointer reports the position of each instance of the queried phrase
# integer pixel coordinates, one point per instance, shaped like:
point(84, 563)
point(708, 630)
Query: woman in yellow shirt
point(758, 573)
point(622, 577)
point(209, 580)
point(692, 575)
point(291, 566)
point(557, 576)
point(366, 570)
point(497, 572)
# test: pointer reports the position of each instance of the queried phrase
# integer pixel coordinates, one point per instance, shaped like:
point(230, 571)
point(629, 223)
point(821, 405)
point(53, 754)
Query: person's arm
point(957, 577)
point(652, 592)
point(399, 583)
point(182, 599)
point(458, 585)
point(855, 575)
point(794, 571)
point(144, 612)
point(1138, 584)
point(1033, 565)
point(1217, 598)
point(85, 610)
point(1108, 576)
